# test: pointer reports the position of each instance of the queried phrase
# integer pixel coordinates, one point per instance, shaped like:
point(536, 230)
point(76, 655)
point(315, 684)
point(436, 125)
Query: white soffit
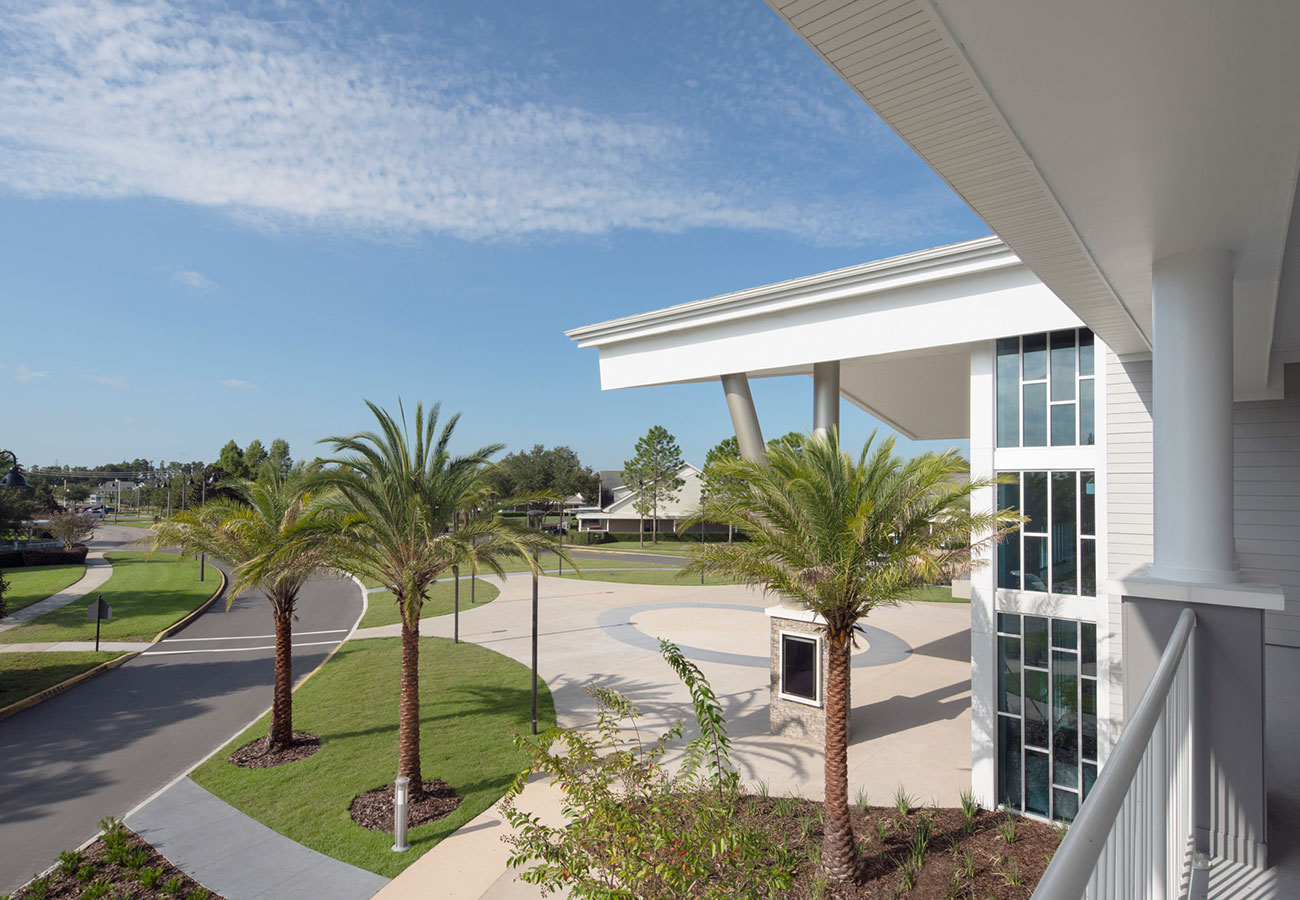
point(1094, 136)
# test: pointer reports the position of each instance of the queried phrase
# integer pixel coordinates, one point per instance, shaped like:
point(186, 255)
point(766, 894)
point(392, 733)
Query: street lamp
point(14, 478)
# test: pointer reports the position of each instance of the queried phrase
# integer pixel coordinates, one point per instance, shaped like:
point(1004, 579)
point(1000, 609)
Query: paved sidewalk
point(472, 862)
point(98, 571)
point(239, 857)
point(66, 646)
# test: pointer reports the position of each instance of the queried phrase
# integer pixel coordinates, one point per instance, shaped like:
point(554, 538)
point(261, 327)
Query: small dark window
point(799, 667)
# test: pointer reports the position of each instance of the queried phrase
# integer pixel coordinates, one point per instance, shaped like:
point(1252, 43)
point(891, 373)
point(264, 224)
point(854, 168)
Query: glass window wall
point(1055, 551)
point(1046, 714)
point(1046, 390)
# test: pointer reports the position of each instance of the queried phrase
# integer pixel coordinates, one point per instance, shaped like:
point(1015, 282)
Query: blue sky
point(223, 220)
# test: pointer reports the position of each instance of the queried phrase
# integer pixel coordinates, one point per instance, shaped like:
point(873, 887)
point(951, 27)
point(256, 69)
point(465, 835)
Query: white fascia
point(935, 298)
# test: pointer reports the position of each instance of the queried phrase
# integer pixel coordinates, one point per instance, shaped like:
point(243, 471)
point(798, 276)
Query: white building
point(1121, 348)
point(620, 515)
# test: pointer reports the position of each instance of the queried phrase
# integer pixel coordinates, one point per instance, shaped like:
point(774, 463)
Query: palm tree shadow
point(901, 713)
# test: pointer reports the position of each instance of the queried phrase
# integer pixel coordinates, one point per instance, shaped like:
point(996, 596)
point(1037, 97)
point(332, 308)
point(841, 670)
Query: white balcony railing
point(1132, 839)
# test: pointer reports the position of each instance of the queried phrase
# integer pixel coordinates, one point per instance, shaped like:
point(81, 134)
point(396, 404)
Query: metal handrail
point(1071, 869)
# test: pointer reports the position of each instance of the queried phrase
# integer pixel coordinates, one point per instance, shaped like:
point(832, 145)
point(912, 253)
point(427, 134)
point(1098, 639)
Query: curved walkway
point(98, 571)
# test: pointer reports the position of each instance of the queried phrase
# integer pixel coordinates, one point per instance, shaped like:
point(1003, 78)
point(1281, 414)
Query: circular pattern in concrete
point(716, 624)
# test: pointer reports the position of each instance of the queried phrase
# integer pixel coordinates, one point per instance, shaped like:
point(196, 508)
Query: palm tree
point(396, 496)
point(256, 520)
point(843, 537)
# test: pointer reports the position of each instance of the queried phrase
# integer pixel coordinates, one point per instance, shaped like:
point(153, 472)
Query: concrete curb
point(54, 690)
point(177, 626)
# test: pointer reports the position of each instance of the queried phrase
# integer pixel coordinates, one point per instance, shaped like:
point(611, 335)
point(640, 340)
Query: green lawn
point(24, 674)
point(146, 597)
point(383, 611)
point(933, 593)
point(471, 700)
point(30, 584)
point(641, 573)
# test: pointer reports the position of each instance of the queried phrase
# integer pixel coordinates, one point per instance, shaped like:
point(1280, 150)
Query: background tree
point(254, 456)
point(844, 537)
point(72, 528)
point(230, 460)
point(278, 457)
point(554, 473)
point(254, 527)
point(395, 495)
point(652, 473)
point(715, 484)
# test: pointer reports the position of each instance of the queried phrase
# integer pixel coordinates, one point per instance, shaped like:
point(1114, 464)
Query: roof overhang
point(1097, 137)
point(902, 329)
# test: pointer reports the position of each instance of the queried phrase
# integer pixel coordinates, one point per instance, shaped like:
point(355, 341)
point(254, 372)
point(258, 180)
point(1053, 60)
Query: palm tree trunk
point(282, 702)
point(837, 844)
point(408, 711)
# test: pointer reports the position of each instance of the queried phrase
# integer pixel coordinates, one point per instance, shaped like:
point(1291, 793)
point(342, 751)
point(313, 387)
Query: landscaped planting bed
point(472, 701)
point(922, 853)
point(118, 865)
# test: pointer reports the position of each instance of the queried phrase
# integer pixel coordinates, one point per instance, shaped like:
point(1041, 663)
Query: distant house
point(619, 514)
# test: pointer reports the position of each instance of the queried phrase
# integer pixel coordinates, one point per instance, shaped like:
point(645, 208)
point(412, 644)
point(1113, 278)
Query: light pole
point(14, 478)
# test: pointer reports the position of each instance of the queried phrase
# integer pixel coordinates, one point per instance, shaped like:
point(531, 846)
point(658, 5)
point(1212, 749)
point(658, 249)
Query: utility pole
point(534, 642)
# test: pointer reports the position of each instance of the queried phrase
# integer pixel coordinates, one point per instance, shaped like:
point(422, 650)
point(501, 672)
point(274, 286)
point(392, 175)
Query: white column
point(826, 396)
point(983, 581)
point(1192, 418)
point(744, 418)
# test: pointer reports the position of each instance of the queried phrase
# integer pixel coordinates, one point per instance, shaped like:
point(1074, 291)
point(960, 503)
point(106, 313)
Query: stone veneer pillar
point(797, 719)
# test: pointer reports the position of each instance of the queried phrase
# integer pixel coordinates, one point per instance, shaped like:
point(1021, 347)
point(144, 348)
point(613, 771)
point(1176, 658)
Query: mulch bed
point(374, 809)
point(257, 756)
point(996, 868)
point(125, 881)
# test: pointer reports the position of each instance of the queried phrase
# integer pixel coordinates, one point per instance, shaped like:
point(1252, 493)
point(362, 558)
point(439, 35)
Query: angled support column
point(826, 397)
point(744, 418)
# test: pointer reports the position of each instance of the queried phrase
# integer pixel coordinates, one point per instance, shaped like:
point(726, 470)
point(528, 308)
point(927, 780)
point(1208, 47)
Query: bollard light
point(401, 791)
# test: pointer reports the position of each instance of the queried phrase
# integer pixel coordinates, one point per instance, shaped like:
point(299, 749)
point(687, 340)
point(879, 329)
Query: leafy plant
point(633, 831)
point(148, 878)
point(96, 889)
point(969, 809)
point(87, 872)
point(1007, 828)
point(136, 859)
point(965, 862)
point(70, 861)
point(783, 806)
point(174, 885)
point(906, 872)
point(883, 827)
point(820, 886)
point(862, 799)
point(903, 801)
point(807, 826)
point(762, 787)
point(39, 889)
point(1010, 870)
point(200, 894)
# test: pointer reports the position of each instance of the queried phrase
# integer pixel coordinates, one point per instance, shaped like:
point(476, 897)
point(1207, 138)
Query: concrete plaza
point(910, 688)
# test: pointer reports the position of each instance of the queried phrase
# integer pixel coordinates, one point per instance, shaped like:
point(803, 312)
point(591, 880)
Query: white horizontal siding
point(1266, 481)
point(1128, 488)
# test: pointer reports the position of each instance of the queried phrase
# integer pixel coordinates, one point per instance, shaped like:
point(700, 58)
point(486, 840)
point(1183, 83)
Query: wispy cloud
point(278, 123)
point(25, 375)
point(113, 381)
point(194, 280)
point(239, 385)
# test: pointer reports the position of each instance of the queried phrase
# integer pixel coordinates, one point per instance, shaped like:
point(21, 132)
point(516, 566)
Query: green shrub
point(149, 877)
point(96, 889)
point(634, 831)
point(70, 861)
